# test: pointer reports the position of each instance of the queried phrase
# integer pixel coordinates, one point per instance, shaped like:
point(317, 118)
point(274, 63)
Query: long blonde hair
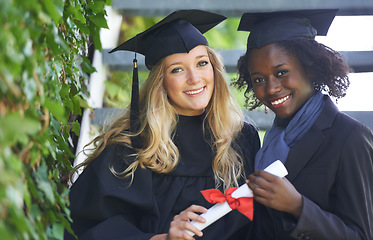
point(158, 124)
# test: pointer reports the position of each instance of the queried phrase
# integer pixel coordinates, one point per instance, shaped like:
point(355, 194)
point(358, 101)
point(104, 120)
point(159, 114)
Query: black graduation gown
point(104, 207)
point(332, 167)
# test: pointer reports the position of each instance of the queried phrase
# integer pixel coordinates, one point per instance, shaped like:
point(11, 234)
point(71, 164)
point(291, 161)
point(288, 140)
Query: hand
point(159, 237)
point(181, 222)
point(274, 192)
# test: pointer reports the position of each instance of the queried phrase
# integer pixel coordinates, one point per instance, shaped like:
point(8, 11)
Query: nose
point(273, 85)
point(193, 76)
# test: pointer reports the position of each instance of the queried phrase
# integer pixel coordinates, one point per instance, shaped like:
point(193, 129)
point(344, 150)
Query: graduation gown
point(332, 167)
point(104, 206)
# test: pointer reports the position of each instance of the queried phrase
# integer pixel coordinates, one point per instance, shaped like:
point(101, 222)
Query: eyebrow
point(277, 66)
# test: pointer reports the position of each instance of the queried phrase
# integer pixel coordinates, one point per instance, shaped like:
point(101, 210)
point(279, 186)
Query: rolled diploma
point(220, 209)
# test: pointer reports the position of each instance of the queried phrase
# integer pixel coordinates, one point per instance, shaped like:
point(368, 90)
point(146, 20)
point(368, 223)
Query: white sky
point(353, 33)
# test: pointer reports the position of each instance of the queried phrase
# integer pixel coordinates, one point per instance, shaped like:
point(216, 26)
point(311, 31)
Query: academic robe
point(332, 167)
point(103, 206)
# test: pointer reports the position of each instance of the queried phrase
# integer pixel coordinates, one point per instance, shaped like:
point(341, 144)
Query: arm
point(159, 237)
point(352, 217)
point(104, 207)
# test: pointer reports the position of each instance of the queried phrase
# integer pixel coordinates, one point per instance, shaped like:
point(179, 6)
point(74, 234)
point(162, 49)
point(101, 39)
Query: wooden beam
point(361, 61)
point(235, 8)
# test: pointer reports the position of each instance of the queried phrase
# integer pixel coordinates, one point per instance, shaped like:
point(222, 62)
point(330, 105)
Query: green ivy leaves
point(44, 71)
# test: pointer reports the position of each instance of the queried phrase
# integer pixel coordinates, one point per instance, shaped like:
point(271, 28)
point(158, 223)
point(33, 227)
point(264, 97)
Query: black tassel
point(135, 108)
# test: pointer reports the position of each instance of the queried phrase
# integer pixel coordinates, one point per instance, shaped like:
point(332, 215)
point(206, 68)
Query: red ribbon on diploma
point(244, 204)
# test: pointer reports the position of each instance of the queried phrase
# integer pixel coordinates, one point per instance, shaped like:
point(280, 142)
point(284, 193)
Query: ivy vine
point(44, 69)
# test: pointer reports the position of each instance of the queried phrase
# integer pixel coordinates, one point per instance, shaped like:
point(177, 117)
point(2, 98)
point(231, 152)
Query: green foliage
point(43, 79)
point(118, 89)
point(226, 36)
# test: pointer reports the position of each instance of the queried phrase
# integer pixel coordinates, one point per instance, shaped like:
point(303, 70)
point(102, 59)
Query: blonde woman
point(143, 180)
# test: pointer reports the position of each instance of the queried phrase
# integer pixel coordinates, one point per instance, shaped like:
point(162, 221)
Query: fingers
point(265, 186)
point(182, 222)
point(264, 179)
point(266, 175)
point(258, 191)
point(275, 192)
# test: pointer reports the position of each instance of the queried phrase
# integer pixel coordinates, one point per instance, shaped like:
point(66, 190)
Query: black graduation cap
point(271, 27)
point(179, 32)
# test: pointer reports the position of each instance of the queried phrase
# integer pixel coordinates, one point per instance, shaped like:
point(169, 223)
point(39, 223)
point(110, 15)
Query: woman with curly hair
point(328, 193)
point(185, 133)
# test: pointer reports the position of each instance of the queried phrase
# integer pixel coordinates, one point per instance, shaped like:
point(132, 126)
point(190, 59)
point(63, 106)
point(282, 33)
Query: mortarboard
point(179, 32)
point(271, 27)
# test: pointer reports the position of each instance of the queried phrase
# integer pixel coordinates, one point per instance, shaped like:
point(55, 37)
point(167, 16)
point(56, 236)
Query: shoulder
point(249, 133)
point(248, 142)
point(351, 125)
point(249, 130)
point(114, 156)
point(353, 140)
point(98, 177)
point(334, 121)
point(357, 133)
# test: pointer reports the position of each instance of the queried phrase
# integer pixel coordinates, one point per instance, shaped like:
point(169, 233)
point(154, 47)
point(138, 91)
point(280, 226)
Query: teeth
point(194, 92)
point(279, 101)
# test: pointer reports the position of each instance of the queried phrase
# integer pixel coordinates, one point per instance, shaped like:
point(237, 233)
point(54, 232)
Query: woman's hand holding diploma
point(221, 208)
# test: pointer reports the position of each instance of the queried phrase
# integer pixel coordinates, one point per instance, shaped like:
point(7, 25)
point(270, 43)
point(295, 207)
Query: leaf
point(83, 28)
point(76, 105)
point(57, 110)
point(5, 232)
point(64, 92)
point(99, 20)
point(76, 128)
point(96, 6)
point(57, 231)
point(68, 104)
point(95, 33)
point(84, 103)
point(77, 12)
point(63, 146)
point(44, 185)
point(14, 127)
point(53, 9)
point(87, 66)
point(15, 195)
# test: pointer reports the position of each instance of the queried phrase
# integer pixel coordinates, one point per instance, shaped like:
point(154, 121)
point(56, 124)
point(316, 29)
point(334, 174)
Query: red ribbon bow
point(244, 204)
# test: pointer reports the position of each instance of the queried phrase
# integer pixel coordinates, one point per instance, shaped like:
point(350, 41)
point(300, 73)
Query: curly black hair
point(327, 68)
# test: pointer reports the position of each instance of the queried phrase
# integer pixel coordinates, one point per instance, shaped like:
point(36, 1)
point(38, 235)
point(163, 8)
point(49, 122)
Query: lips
point(280, 101)
point(195, 92)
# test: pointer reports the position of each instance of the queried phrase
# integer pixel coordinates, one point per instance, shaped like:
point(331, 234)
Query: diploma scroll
point(220, 209)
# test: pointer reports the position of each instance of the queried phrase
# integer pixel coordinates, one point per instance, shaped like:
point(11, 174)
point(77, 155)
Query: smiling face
point(279, 80)
point(189, 81)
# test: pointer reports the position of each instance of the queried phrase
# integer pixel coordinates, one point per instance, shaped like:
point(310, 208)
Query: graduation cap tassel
point(135, 108)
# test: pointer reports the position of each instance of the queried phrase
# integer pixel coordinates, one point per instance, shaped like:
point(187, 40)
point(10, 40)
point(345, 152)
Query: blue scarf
point(283, 135)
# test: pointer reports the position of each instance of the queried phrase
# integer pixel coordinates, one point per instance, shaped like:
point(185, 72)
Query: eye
point(176, 70)
point(258, 80)
point(282, 73)
point(202, 63)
